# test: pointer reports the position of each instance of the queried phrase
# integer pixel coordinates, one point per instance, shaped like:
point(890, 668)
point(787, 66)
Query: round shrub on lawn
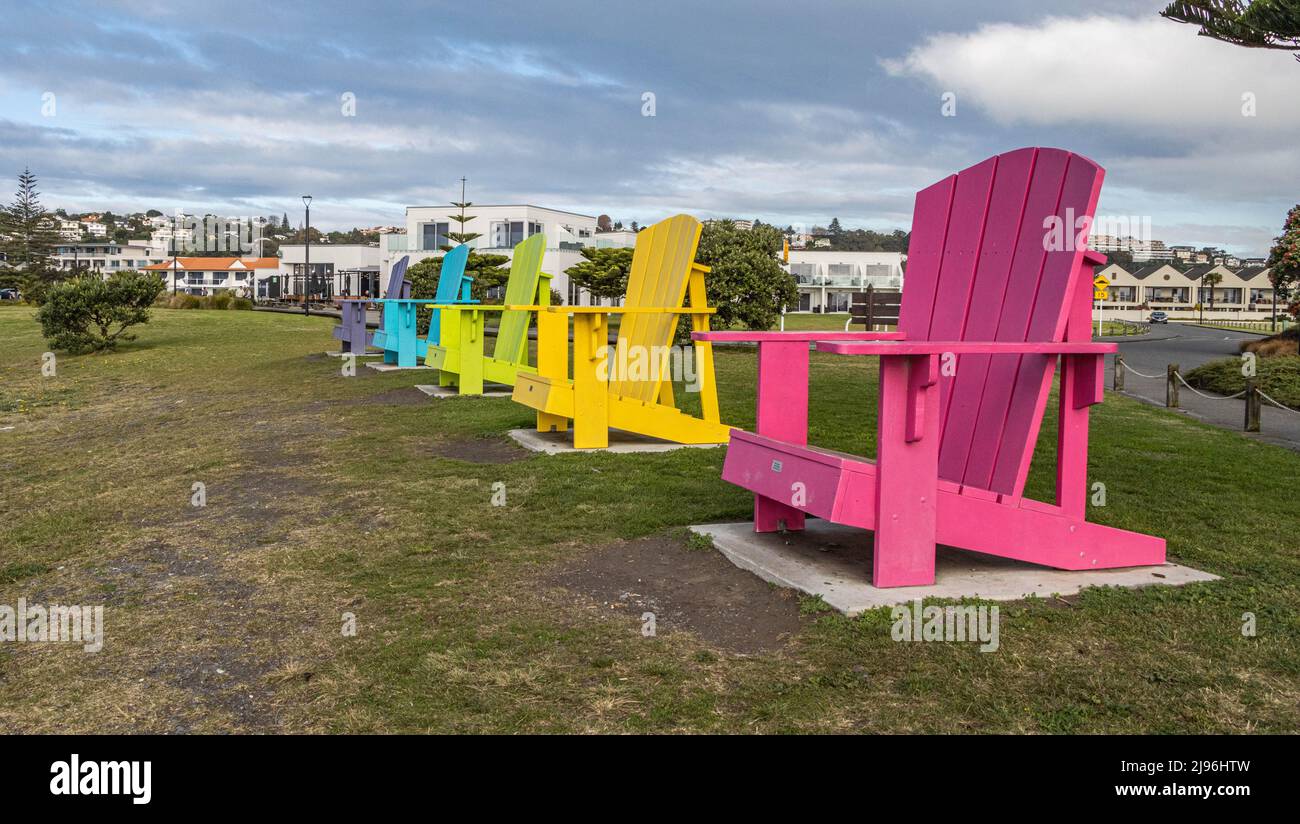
point(91, 314)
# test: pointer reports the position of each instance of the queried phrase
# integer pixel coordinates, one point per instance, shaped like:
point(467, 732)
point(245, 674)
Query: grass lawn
point(329, 495)
point(805, 321)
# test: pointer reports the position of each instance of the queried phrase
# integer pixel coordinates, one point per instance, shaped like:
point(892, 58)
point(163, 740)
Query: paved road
point(1191, 346)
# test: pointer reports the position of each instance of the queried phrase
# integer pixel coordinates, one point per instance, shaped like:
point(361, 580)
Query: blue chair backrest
point(453, 283)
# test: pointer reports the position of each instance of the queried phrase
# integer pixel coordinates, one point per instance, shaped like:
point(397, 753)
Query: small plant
point(90, 314)
point(696, 541)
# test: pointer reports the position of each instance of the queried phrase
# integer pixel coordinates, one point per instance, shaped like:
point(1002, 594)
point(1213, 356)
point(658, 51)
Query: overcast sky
point(790, 112)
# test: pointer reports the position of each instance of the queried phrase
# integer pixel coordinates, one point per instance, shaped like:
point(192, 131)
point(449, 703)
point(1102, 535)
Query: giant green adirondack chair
point(460, 354)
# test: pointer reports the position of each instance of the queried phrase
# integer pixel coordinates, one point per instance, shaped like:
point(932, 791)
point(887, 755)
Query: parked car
point(8, 294)
point(1159, 317)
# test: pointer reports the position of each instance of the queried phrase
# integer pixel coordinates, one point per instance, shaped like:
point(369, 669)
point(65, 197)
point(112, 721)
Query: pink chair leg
point(770, 514)
point(782, 414)
point(907, 467)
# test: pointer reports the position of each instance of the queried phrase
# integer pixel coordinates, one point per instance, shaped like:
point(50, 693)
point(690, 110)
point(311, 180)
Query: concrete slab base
point(560, 443)
point(334, 353)
point(441, 392)
point(834, 561)
point(392, 367)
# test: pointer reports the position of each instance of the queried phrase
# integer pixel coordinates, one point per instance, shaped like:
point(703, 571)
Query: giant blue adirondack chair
point(351, 331)
point(398, 336)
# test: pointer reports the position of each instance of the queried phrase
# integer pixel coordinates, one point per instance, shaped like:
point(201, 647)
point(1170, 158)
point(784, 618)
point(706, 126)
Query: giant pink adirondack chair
point(983, 293)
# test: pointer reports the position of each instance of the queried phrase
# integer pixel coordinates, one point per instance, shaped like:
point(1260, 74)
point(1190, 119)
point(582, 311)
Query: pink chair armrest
point(958, 347)
point(789, 337)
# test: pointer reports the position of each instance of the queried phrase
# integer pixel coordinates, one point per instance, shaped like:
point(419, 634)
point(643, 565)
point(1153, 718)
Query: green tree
point(747, 284)
point(488, 271)
point(1284, 257)
point(91, 314)
point(29, 239)
point(603, 272)
point(1257, 24)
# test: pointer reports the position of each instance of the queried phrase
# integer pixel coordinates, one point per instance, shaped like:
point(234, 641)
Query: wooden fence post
point(1252, 406)
point(1119, 372)
point(1171, 386)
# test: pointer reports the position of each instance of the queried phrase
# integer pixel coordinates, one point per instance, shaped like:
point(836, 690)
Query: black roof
point(1251, 272)
point(1148, 271)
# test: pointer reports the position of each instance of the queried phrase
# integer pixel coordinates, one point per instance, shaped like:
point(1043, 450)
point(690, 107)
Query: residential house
point(1243, 293)
point(209, 275)
point(827, 279)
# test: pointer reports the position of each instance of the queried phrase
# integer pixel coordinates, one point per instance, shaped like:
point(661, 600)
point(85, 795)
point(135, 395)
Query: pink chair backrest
point(980, 268)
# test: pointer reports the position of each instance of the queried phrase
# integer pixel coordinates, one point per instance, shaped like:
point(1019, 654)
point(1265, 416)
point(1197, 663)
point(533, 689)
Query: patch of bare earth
point(480, 450)
point(689, 590)
point(203, 630)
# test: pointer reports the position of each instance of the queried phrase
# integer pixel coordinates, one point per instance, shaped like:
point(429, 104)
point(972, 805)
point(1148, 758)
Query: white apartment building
point(502, 227)
point(108, 256)
point(827, 279)
point(95, 229)
point(1143, 251)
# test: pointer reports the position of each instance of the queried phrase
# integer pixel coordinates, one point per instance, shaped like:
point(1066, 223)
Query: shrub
point(80, 315)
point(1284, 343)
point(1277, 376)
point(221, 300)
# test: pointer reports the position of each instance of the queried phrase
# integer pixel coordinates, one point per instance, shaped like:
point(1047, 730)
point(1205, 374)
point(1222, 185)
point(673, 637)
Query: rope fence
point(1174, 379)
point(1279, 405)
point(1180, 377)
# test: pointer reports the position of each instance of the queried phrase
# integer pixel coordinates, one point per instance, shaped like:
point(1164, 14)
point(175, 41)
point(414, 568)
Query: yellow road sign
point(1100, 294)
point(1101, 281)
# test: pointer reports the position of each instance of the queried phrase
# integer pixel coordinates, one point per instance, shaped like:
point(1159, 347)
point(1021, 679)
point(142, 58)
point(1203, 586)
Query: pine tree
point(28, 238)
point(461, 237)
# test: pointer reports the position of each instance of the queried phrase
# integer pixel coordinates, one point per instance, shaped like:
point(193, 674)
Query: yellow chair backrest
point(660, 268)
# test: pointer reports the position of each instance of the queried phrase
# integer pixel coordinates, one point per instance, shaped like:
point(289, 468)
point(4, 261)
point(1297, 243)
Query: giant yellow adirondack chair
point(459, 354)
point(602, 394)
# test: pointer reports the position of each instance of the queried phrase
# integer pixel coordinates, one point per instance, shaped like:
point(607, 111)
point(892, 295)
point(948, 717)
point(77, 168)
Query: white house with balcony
point(209, 275)
point(107, 257)
point(827, 279)
point(501, 228)
point(1210, 291)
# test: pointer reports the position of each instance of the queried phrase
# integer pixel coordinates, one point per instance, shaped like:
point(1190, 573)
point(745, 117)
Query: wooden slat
point(1047, 322)
point(660, 266)
point(929, 228)
point(521, 289)
point(1001, 232)
point(1013, 322)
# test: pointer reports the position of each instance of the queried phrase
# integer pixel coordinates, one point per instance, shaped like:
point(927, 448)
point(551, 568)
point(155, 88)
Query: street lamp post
point(306, 258)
